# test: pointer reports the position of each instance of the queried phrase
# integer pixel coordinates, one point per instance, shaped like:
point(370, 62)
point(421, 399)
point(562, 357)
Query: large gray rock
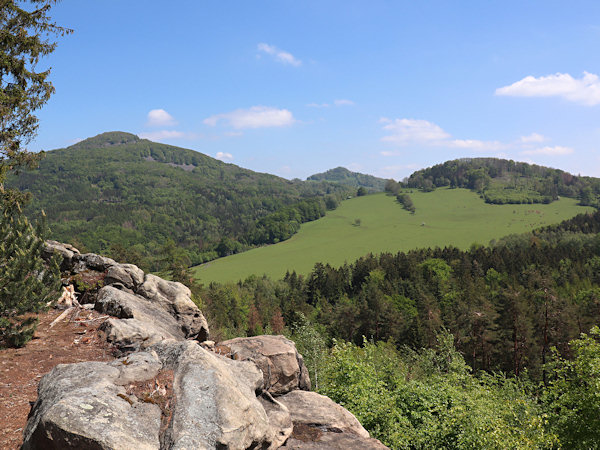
point(310, 408)
point(150, 319)
point(176, 299)
point(129, 275)
point(279, 418)
point(130, 335)
point(91, 261)
point(320, 423)
point(316, 439)
point(85, 406)
point(66, 251)
point(282, 366)
point(216, 402)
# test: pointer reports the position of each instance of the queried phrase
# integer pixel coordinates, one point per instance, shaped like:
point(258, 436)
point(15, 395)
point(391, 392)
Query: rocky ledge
point(172, 388)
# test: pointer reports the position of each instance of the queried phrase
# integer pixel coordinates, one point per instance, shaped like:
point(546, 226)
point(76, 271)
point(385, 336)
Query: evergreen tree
point(27, 284)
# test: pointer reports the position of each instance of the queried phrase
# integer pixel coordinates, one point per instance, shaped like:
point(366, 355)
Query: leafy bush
point(430, 399)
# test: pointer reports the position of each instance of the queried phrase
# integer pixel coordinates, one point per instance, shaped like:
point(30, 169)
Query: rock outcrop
point(320, 423)
point(282, 366)
point(174, 389)
point(148, 308)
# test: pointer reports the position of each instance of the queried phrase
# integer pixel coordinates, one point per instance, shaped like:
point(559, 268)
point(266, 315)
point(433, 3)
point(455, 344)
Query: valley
point(445, 217)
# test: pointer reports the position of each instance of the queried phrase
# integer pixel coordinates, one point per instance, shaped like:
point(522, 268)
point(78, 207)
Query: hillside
point(128, 197)
point(503, 181)
point(445, 217)
point(354, 179)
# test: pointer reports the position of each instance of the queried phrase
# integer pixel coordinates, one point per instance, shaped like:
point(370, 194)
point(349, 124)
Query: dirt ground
point(73, 339)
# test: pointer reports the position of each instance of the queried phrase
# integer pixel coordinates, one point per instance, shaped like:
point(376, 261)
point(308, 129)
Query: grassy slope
point(451, 217)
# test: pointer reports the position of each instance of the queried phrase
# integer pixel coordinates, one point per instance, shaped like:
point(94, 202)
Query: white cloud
point(255, 117)
point(224, 156)
point(161, 135)
point(279, 55)
point(585, 90)
point(160, 118)
point(318, 105)
point(532, 138)
point(405, 131)
point(474, 144)
point(550, 151)
point(343, 102)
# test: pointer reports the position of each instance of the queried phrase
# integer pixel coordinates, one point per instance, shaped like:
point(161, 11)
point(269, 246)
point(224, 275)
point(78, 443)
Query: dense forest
point(128, 198)
point(441, 347)
point(503, 181)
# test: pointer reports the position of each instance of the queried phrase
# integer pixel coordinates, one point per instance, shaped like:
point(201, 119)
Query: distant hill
point(127, 197)
point(354, 179)
point(503, 181)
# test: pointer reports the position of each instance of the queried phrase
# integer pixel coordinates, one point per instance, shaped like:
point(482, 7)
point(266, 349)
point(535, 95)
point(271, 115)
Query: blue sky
point(299, 87)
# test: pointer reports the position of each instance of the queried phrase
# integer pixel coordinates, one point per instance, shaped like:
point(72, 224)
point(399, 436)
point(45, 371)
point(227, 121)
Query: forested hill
point(129, 198)
point(505, 181)
point(354, 179)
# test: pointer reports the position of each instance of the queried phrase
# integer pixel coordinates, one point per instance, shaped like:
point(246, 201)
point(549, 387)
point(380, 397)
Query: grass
point(444, 217)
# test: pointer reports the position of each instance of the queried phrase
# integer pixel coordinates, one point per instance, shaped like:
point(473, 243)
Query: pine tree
point(27, 284)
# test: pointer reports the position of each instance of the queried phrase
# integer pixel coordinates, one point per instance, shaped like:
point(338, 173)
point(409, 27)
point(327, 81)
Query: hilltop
point(502, 181)
point(343, 176)
point(129, 198)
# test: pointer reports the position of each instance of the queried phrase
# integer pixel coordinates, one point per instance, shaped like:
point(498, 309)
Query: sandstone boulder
point(282, 366)
point(279, 418)
point(124, 305)
point(129, 275)
point(83, 405)
point(316, 439)
point(310, 408)
point(216, 402)
point(320, 423)
point(130, 335)
point(91, 261)
point(176, 299)
point(66, 251)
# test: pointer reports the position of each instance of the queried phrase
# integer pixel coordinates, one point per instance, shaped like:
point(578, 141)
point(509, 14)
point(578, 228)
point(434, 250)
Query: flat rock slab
point(84, 406)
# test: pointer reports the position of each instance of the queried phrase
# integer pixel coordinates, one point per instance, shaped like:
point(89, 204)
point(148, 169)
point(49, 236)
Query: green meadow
point(378, 223)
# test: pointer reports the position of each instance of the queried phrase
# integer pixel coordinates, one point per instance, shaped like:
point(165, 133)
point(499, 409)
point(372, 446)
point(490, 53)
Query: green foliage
point(343, 176)
point(501, 181)
point(25, 38)
point(573, 394)
point(406, 202)
point(26, 283)
point(311, 344)
point(429, 399)
point(116, 191)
